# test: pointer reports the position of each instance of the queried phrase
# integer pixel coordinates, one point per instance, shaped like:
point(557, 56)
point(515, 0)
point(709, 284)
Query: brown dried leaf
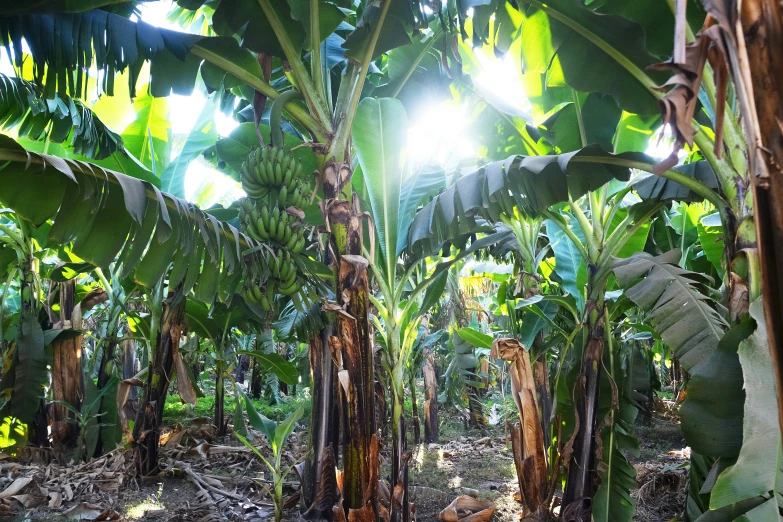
point(15, 487)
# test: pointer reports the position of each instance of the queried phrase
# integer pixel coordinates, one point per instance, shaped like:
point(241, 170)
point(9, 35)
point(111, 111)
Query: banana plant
point(276, 436)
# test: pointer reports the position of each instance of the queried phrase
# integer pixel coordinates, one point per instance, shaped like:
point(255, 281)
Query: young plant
point(276, 435)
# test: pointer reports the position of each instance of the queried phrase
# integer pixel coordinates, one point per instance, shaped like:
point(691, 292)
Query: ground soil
point(466, 461)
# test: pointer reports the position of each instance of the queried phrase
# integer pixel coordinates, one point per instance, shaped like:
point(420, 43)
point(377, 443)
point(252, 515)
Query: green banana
point(261, 174)
point(281, 224)
point(290, 287)
point(265, 216)
point(285, 161)
point(292, 238)
point(265, 304)
point(283, 196)
point(278, 174)
point(299, 246)
point(257, 293)
point(298, 172)
point(263, 231)
point(272, 226)
point(288, 178)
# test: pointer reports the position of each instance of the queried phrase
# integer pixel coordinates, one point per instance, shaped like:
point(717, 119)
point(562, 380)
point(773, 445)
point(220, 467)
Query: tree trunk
point(220, 396)
point(67, 385)
point(130, 366)
point(541, 376)
point(762, 69)
point(415, 411)
point(150, 413)
point(255, 380)
point(431, 421)
point(356, 379)
point(282, 351)
point(319, 486)
point(582, 473)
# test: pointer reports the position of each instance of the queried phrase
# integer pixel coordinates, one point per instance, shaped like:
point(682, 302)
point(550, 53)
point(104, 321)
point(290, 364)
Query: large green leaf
point(30, 368)
point(421, 185)
point(257, 420)
point(570, 266)
point(434, 292)
point(68, 45)
point(613, 502)
point(679, 303)
point(202, 136)
point(533, 183)
point(474, 337)
point(273, 362)
point(715, 396)
point(293, 324)
point(285, 428)
point(758, 472)
point(148, 137)
point(58, 119)
point(593, 52)
point(108, 214)
point(711, 237)
point(380, 135)
point(651, 187)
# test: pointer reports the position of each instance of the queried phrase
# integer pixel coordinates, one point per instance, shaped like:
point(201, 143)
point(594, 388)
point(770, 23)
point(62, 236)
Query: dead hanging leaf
point(185, 386)
point(467, 509)
point(679, 104)
point(505, 349)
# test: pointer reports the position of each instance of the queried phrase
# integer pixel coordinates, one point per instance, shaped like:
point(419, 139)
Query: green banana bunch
point(252, 293)
point(272, 179)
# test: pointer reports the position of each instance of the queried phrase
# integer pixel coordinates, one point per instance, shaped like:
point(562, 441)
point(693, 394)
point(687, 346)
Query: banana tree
point(394, 195)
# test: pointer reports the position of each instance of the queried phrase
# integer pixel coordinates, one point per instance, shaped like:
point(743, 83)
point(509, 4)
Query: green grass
point(176, 411)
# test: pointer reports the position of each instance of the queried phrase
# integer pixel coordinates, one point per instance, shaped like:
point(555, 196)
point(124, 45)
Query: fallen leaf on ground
point(15, 487)
point(467, 509)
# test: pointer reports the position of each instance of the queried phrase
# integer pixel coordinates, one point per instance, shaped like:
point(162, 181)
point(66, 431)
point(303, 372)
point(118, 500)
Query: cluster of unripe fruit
point(276, 193)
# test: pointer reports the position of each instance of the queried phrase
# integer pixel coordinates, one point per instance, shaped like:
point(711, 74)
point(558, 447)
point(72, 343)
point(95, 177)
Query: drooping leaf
point(65, 43)
point(532, 183)
point(424, 183)
point(104, 213)
point(651, 187)
point(273, 362)
point(58, 119)
point(476, 338)
point(758, 471)
point(434, 292)
point(679, 304)
point(715, 395)
point(30, 368)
